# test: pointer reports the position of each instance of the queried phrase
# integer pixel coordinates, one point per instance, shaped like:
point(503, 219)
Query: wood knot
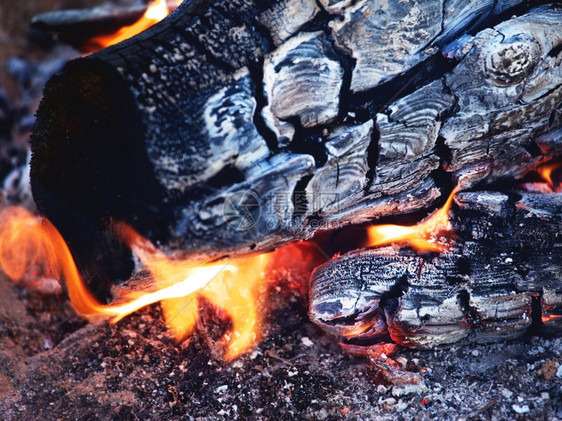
point(510, 64)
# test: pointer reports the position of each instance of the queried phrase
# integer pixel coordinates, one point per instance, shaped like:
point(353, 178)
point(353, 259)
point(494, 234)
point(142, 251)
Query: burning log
point(500, 280)
point(242, 125)
point(78, 27)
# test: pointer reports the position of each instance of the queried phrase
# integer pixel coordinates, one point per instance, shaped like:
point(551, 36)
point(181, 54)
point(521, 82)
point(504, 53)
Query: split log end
point(85, 151)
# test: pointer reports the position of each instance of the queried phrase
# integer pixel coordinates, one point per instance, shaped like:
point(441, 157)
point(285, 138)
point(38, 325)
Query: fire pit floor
point(54, 366)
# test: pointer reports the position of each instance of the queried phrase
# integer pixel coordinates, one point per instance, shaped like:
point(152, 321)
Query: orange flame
point(18, 257)
point(156, 11)
point(552, 183)
point(425, 236)
point(233, 286)
point(546, 171)
point(27, 241)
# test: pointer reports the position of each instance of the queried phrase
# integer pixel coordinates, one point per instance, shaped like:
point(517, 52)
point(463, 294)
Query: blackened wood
point(500, 280)
point(168, 130)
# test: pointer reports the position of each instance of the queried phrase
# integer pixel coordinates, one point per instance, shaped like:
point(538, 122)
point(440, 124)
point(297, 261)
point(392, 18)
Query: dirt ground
point(53, 366)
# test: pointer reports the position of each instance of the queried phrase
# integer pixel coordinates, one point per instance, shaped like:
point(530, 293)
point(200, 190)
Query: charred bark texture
point(501, 279)
point(241, 125)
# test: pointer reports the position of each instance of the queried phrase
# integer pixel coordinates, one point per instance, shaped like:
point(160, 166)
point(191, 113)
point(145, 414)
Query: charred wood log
point(499, 281)
point(241, 125)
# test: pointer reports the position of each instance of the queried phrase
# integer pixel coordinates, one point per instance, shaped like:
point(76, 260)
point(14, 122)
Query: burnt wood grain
point(500, 280)
point(305, 115)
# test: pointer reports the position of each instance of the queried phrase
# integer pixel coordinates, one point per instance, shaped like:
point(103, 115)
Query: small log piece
point(500, 280)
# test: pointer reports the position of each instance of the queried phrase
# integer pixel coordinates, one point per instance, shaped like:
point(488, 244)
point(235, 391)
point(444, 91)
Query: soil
point(53, 365)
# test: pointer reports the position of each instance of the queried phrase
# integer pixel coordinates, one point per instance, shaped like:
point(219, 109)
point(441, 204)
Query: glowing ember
point(425, 236)
point(546, 319)
point(156, 11)
point(27, 241)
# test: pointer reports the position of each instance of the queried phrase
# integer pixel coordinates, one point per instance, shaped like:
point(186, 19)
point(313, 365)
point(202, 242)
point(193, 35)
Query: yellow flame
point(360, 327)
point(156, 11)
point(423, 236)
point(550, 173)
point(27, 240)
point(232, 286)
point(545, 171)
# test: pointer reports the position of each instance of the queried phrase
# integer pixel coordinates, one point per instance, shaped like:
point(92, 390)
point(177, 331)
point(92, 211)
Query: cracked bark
point(500, 280)
point(160, 130)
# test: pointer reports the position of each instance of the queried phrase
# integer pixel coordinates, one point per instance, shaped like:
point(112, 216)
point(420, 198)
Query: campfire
point(205, 159)
point(33, 248)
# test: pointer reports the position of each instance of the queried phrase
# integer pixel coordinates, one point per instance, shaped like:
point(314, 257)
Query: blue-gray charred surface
point(500, 280)
point(241, 125)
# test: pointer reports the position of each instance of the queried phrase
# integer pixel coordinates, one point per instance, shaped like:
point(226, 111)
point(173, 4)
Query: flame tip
point(154, 13)
point(425, 236)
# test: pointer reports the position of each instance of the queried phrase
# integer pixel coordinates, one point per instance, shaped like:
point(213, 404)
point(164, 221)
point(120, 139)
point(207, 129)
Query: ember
point(546, 319)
